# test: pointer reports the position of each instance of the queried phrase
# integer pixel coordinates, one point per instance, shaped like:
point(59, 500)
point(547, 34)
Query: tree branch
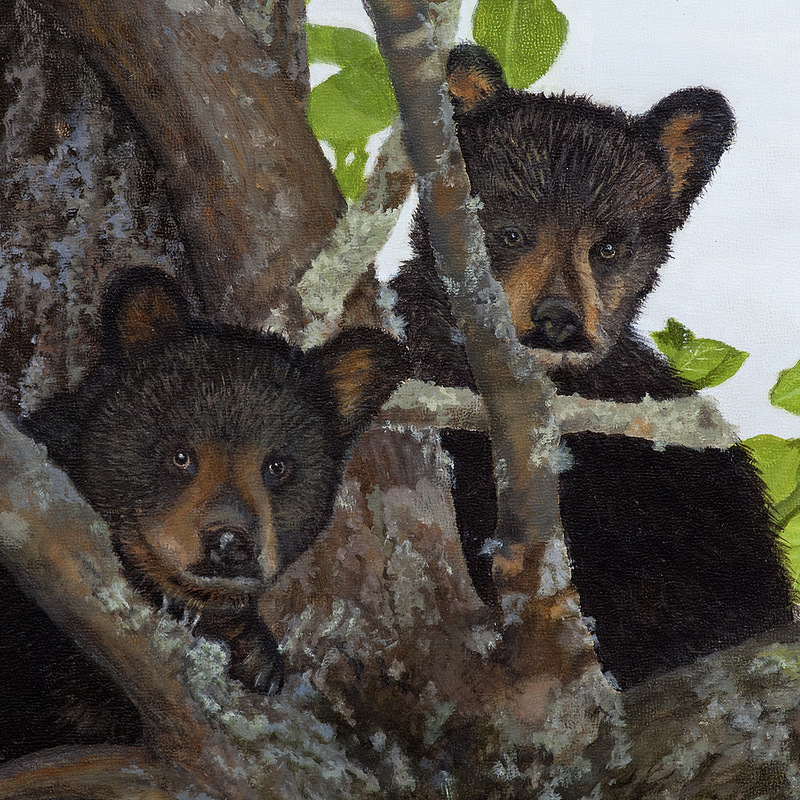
point(693, 422)
point(552, 640)
point(91, 773)
point(253, 193)
point(355, 242)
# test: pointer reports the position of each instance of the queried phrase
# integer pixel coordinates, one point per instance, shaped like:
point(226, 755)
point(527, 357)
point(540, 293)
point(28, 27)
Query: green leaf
point(701, 362)
point(778, 462)
point(673, 338)
point(350, 164)
point(350, 106)
point(524, 35)
point(786, 392)
point(340, 46)
point(791, 537)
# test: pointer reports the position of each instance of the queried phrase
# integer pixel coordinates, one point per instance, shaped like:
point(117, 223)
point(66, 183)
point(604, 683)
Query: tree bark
point(254, 196)
point(95, 773)
point(279, 26)
point(551, 642)
point(359, 235)
point(693, 422)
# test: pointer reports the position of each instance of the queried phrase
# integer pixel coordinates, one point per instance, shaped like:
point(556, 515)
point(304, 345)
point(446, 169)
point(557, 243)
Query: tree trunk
point(148, 133)
point(172, 133)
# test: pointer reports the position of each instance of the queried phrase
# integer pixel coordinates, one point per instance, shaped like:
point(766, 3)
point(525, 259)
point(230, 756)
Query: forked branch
point(517, 395)
point(253, 192)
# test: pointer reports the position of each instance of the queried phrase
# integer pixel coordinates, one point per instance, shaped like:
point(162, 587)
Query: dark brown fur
point(673, 552)
point(215, 454)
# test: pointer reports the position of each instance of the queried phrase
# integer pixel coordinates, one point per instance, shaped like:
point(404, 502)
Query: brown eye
point(276, 468)
point(609, 253)
point(185, 461)
point(607, 250)
point(511, 237)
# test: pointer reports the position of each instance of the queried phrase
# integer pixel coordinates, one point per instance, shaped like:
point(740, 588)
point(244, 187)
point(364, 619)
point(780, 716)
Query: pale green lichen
point(14, 531)
point(79, 187)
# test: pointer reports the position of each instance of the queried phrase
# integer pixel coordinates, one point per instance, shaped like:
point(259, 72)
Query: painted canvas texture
point(398, 400)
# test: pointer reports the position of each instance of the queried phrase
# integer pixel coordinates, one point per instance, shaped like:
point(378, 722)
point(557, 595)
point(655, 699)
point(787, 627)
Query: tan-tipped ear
point(362, 367)
point(474, 78)
point(692, 129)
point(139, 307)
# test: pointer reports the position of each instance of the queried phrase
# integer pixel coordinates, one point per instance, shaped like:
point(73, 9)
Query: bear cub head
point(213, 452)
point(579, 201)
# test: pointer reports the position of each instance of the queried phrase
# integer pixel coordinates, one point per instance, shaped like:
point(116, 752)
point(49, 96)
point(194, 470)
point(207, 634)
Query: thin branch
point(552, 640)
point(253, 192)
point(366, 226)
point(355, 242)
point(693, 422)
point(510, 382)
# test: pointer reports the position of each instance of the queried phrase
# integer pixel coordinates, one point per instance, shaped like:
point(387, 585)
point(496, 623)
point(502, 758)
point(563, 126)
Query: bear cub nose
point(228, 551)
point(556, 326)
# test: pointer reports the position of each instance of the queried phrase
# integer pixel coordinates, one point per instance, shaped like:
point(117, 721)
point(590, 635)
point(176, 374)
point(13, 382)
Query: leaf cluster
point(707, 362)
point(357, 101)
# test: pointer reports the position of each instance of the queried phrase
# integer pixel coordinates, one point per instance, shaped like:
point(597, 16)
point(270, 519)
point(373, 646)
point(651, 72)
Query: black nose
point(556, 326)
point(229, 551)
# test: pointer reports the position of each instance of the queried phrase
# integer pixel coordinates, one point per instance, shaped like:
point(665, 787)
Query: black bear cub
point(673, 552)
point(214, 453)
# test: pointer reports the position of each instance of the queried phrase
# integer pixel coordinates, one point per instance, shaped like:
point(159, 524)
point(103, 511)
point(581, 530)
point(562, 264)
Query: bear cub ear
point(474, 78)
point(362, 367)
point(138, 308)
point(692, 128)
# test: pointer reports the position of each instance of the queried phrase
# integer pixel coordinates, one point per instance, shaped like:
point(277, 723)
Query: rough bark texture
point(688, 421)
point(400, 682)
point(362, 231)
point(278, 25)
point(147, 133)
point(81, 196)
point(254, 202)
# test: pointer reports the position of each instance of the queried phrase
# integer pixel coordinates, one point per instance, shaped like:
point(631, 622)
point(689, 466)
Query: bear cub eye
point(511, 237)
point(275, 470)
point(607, 250)
point(608, 253)
point(185, 461)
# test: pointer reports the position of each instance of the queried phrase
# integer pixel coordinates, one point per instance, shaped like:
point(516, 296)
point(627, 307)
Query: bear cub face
point(213, 452)
point(579, 201)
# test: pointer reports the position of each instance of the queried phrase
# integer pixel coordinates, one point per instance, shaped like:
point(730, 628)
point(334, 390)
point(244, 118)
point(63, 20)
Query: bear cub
point(214, 453)
point(673, 552)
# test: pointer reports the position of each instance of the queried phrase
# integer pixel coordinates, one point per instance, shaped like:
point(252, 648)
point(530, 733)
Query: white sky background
point(735, 274)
